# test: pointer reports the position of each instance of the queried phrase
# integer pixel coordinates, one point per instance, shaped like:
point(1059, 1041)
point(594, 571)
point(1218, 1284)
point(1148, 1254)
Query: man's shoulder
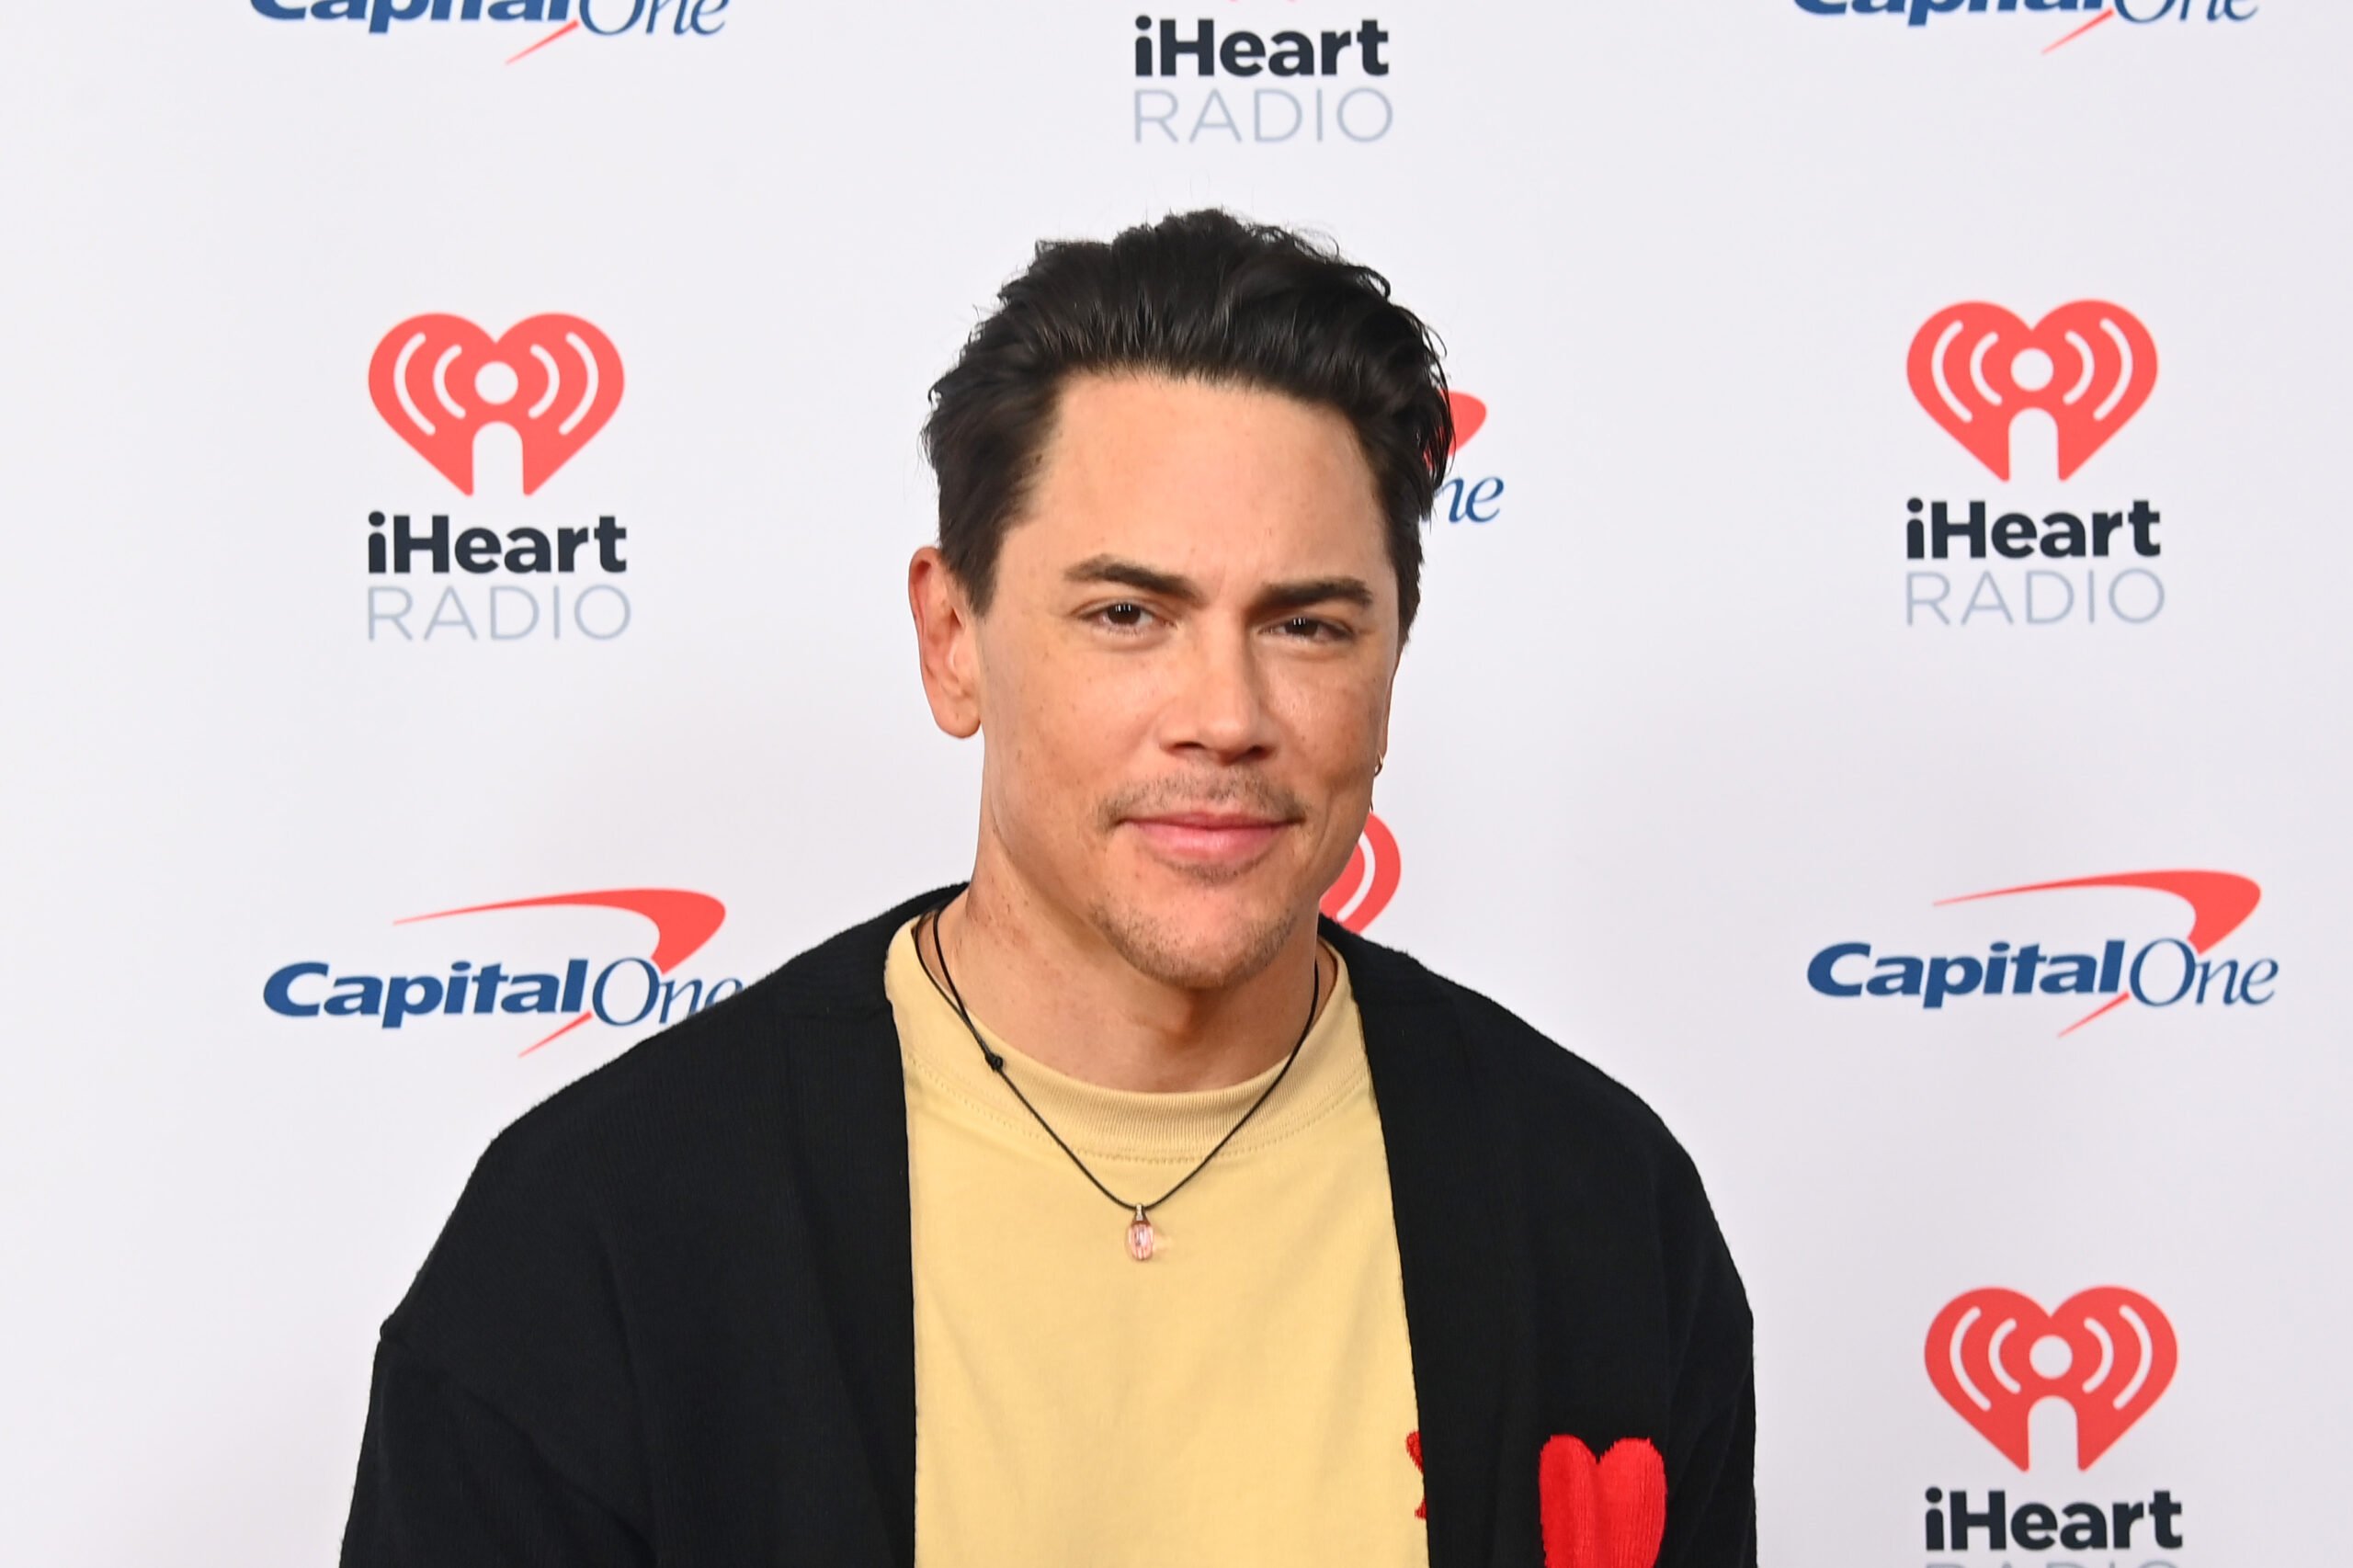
point(1542, 1086)
point(1619, 1195)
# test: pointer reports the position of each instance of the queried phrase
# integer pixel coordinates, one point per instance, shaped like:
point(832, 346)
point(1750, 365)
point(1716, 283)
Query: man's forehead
point(1171, 471)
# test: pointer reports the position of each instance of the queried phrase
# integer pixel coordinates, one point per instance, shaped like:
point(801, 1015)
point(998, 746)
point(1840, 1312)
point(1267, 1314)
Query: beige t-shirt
point(1245, 1397)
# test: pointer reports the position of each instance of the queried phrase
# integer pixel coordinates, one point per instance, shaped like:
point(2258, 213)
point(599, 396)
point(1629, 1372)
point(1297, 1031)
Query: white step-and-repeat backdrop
point(1882, 688)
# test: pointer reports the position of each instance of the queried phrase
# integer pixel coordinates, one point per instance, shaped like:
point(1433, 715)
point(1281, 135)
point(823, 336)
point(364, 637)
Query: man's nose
point(1220, 705)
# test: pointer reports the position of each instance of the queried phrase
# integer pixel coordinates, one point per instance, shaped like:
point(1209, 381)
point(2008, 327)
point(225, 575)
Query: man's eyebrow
point(1135, 574)
point(1184, 590)
point(1312, 591)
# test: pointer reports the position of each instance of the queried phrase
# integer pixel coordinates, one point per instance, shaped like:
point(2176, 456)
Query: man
point(1109, 1209)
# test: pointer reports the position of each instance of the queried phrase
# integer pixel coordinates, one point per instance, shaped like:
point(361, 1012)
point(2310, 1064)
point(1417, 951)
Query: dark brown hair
point(1201, 295)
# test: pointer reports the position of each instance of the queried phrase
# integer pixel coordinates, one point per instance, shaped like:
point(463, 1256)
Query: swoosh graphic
point(569, 26)
point(683, 922)
point(2218, 902)
point(2082, 30)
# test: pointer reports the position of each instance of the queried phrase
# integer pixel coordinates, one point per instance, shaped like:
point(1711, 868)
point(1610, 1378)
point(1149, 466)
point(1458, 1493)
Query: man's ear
point(947, 642)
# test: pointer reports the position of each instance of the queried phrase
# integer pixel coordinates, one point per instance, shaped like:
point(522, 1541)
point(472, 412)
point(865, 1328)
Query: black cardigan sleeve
point(1711, 1497)
point(447, 1482)
point(1711, 1451)
point(503, 1426)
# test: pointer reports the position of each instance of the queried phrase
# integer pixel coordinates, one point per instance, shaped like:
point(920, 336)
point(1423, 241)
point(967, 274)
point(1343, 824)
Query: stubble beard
point(1152, 948)
point(1155, 946)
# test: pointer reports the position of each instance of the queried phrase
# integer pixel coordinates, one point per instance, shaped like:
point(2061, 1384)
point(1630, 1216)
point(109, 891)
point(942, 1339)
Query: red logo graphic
point(567, 27)
point(2090, 365)
point(683, 922)
point(1413, 1449)
point(2218, 902)
point(2108, 1352)
point(1605, 1513)
point(553, 380)
point(2076, 33)
point(1470, 413)
point(1365, 885)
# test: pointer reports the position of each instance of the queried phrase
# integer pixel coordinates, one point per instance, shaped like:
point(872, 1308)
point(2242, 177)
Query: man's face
point(1184, 675)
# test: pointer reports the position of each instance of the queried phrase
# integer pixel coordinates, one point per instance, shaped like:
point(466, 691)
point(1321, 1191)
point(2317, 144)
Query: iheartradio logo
point(438, 380)
point(2090, 365)
point(1995, 1355)
point(1470, 413)
point(1365, 885)
point(2092, 560)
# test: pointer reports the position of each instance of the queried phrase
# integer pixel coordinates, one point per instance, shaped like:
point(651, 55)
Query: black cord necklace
point(1141, 1239)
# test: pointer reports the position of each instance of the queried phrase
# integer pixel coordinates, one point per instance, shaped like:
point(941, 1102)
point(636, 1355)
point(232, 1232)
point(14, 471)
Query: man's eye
point(1125, 616)
point(1315, 630)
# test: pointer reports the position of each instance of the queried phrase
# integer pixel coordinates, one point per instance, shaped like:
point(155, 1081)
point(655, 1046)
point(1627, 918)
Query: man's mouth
point(1220, 838)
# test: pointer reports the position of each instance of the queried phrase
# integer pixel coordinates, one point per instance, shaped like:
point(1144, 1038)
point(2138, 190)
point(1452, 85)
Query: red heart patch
point(553, 380)
point(1606, 1512)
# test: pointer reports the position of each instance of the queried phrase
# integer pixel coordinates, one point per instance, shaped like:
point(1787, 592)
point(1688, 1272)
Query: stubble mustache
point(1256, 796)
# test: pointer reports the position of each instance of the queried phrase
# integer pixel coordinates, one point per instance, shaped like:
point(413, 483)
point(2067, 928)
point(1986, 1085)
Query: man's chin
point(1198, 938)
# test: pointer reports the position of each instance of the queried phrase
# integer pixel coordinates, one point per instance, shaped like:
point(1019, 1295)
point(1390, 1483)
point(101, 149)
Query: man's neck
point(1055, 989)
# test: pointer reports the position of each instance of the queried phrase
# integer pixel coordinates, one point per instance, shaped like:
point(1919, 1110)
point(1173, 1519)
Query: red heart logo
point(1609, 1513)
point(561, 380)
point(1470, 413)
point(1994, 1355)
point(2094, 366)
point(1365, 884)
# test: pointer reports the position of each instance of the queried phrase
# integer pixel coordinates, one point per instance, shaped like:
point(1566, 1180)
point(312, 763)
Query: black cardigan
point(671, 1319)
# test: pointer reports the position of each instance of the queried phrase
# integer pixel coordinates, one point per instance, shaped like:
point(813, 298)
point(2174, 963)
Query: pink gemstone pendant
point(1140, 1237)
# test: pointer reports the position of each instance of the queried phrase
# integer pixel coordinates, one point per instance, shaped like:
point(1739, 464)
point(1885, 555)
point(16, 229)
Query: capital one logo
point(2159, 972)
point(439, 380)
point(2107, 1353)
point(1365, 885)
point(2090, 365)
point(2140, 13)
point(603, 18)
point(621, 991)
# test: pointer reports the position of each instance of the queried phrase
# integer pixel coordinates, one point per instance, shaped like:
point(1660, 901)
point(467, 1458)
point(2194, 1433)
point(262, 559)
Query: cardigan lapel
point(1456, 1209)
point(846, 1108)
